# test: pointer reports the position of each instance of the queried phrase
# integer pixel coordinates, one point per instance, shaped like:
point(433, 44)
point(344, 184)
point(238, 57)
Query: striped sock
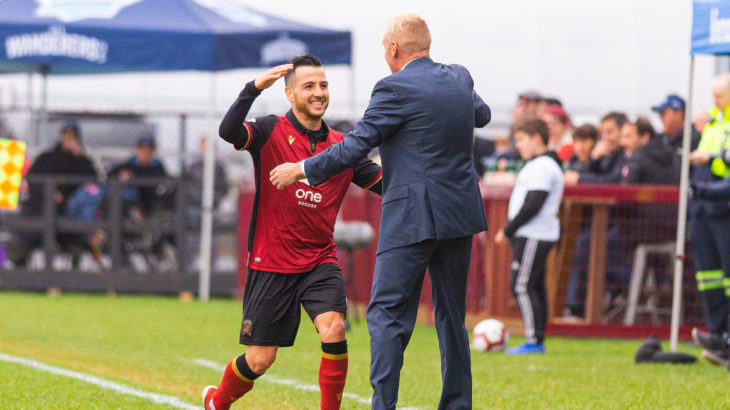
point(237, 380)
point(332, 374)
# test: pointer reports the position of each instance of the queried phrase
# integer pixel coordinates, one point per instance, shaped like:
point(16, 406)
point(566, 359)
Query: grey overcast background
point(594, 55)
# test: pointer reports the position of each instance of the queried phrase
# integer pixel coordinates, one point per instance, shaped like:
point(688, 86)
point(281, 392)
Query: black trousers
point(528, 284)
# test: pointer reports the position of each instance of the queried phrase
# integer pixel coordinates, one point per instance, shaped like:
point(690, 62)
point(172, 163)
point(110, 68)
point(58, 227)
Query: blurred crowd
point(618, 149)
point(147, 200)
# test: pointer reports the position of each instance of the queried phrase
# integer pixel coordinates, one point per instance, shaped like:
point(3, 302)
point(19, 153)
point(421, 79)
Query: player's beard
point(304, 106)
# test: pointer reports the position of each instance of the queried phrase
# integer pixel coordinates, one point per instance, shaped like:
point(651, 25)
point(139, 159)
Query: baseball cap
point(146, 139)
point(530, 95)
point(558, 112)
point(72, 125)
point(672, 101)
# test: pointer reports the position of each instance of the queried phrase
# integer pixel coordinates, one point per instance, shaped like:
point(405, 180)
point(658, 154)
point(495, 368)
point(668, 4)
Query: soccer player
point(292, 258)
point(533, 228)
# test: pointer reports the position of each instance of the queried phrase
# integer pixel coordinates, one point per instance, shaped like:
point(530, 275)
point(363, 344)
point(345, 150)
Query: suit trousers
point(391, 315)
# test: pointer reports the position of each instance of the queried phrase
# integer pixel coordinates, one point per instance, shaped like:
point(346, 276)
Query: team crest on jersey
point(291, 139)
point(246, 328)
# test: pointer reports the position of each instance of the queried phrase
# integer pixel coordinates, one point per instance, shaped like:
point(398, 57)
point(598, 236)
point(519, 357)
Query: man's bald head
point(410, 32)
point(721, 90)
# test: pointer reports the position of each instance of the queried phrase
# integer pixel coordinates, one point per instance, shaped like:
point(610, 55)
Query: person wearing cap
point(530, 104)
point(671, 112)
point(67, 158)
point(711, 224)
point(558, 123)
point(144, 164)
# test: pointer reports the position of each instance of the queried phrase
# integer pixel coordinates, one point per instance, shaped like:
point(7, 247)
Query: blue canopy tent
point(710, 35)
point(113, 36)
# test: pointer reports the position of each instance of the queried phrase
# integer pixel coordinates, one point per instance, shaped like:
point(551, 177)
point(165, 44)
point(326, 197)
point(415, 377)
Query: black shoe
point(718, 357)
point(709, 341)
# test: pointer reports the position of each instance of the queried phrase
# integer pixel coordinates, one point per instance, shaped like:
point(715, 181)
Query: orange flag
point(12, 155)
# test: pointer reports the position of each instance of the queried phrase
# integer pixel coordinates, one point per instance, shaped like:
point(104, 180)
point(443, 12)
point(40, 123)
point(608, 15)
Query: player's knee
point(261, 361)
point(334, 331)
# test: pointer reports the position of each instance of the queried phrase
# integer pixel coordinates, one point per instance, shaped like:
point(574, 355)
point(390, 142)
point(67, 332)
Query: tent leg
point(206, 223)
point(682, 215)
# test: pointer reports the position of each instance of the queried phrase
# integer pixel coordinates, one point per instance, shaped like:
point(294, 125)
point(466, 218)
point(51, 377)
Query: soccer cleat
point(709, 341)
point(718, 357)
point(208, 394)
point(526, 348)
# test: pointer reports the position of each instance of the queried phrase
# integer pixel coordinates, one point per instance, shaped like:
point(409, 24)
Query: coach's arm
point(382, 119)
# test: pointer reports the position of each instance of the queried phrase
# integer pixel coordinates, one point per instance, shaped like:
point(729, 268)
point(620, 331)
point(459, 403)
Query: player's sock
point(332, 374)
point(237, 380)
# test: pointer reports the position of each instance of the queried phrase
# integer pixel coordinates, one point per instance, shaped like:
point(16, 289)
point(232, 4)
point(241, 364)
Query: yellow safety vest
point(715, 139)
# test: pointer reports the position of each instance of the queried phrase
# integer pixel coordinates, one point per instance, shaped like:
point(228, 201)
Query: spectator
point(194, 198)
point(584, 139)
point(144, 164)
point(607, 156)
point(649, 159)
point(558, 123)
point(671, 112)
point(65, 159)
point(530, 104)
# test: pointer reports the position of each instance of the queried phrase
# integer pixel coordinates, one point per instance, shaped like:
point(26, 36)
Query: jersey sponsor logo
point(308, 198)
point(247, 327)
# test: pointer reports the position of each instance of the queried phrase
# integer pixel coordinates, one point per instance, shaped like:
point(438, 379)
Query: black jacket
point(56, 162)
point(148, 195)
point(606, 170)
point(653, 163)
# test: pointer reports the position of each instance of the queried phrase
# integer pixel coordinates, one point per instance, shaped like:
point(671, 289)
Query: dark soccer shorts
point(272, 302)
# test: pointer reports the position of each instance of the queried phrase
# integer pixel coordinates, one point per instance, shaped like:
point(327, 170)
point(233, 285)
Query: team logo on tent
point(74, 10)
point(282, 49)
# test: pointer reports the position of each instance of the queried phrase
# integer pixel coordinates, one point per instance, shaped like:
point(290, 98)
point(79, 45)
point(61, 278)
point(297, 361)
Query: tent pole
point(682, 214)
point(353, 89)
point(206, 223)
point(43, 129)
point(32, 132)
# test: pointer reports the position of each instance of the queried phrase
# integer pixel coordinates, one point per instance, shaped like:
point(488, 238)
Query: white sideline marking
point(98, 381)
point(291, 383)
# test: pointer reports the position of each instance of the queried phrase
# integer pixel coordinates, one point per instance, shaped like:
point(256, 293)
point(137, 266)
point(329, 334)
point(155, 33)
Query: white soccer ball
point(490, 335)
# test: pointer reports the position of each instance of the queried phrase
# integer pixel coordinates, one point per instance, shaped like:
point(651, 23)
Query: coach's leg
point(448, 271)
point(240, 373)
point(391, 314)
point(333, 366)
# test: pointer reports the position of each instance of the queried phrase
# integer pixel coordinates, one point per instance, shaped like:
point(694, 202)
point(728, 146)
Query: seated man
point(144, 164)
point(67, 158)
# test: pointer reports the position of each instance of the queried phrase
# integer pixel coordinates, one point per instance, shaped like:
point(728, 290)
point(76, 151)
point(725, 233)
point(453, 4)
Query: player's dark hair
point(301, 61)
point(643, 126)
point(586, 132)
point(532, 127)
point(618, 117)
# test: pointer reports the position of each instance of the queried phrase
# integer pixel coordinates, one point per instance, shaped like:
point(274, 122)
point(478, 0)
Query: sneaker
point(709, 341)
point(526, 348)
point(208, 394)
point(718, 357)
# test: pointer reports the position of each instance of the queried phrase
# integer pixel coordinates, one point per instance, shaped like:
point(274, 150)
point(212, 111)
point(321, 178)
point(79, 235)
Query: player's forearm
point(230, 128)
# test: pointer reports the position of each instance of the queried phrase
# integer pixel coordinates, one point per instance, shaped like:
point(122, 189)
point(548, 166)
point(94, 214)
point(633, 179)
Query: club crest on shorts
point(246, 328)
point(515, 265)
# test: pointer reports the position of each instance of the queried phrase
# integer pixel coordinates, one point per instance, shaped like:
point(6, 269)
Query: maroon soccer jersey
point(291, 229)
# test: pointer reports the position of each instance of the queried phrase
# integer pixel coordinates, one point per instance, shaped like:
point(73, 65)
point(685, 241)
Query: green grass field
point(170, 347)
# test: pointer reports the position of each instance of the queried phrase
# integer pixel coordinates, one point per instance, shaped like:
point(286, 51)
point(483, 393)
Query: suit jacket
point(423, 120)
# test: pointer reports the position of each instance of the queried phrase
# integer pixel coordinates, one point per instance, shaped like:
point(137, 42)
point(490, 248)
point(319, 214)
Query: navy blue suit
point(423, 119)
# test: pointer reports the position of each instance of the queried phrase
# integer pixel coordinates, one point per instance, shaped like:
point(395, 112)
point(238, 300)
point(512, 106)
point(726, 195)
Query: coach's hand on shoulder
point(269, 77)
point(286, 174)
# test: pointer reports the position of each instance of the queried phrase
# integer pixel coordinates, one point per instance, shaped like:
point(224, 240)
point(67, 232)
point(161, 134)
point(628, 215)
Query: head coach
point(422, 117)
